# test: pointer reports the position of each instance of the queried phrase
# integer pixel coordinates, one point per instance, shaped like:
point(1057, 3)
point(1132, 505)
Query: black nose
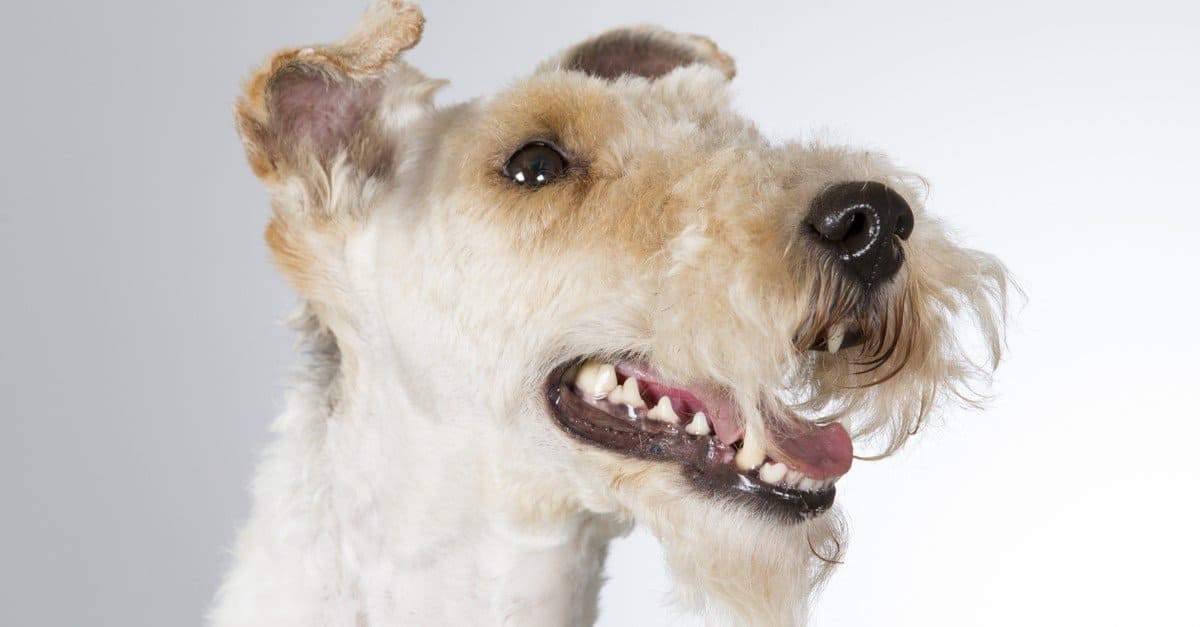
point(859, 222)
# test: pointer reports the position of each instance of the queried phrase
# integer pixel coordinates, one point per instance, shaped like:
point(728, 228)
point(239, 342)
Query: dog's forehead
point(690, 103)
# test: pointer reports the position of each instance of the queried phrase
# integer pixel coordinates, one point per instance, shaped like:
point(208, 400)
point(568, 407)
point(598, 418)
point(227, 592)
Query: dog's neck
point(388, 515)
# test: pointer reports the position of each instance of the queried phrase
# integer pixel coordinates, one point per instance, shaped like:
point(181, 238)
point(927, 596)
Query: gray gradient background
point(141, 358)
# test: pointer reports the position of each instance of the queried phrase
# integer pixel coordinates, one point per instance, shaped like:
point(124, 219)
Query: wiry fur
point(418, 478)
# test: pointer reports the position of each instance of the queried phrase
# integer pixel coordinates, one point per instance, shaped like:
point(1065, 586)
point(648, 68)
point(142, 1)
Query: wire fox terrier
point(598, 298)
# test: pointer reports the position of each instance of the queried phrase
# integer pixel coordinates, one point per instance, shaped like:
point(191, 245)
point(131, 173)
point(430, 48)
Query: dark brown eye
point(534, 164)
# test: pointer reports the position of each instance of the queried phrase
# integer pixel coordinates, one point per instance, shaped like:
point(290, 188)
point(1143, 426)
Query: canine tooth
point(664, 412)
point(837, 334)
point(629, 394)
point(752, 454)
point(698, 425)
point(596, 379)
point(772, 473)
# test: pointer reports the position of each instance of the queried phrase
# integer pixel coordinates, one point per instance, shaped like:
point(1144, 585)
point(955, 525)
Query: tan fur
point(677, 237)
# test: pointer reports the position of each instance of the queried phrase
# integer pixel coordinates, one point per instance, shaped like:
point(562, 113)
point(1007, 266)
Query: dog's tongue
point(818, 452)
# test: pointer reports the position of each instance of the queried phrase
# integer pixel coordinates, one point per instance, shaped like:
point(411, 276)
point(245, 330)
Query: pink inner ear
point(306, 106)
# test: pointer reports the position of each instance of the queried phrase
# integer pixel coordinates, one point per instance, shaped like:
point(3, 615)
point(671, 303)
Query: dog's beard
point(729, 562)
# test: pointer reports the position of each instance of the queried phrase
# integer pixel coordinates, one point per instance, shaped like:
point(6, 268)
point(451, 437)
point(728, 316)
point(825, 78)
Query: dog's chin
point(696, 429)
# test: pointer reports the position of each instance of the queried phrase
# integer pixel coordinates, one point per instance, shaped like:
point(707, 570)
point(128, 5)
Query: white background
point(141, 361)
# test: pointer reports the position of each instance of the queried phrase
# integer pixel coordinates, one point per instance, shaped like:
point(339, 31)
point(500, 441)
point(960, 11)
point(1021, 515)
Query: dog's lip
point(707, 461)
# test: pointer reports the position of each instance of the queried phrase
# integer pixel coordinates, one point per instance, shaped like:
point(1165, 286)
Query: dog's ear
point(320, 125)
point(646, 51)
point(310, 111)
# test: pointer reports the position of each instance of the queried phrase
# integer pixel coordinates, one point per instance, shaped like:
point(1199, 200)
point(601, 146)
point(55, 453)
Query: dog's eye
point(534, 164)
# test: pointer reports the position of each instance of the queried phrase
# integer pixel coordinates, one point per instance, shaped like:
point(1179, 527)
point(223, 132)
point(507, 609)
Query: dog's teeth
point(793, 477)
point(664, 412)
point(810, 484)
point(596, 379)
point(837, 334)
point(772, 473)
point(698, 425)
point(617, 395)
point(752, 454)
point(629, 394)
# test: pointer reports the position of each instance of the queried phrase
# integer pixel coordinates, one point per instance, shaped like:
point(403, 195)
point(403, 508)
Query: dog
point(597, 298)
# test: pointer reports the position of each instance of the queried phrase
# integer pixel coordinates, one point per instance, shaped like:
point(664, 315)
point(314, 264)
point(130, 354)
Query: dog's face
point(641, 305)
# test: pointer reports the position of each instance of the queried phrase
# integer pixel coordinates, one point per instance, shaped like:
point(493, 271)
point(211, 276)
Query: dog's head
point(608, 287)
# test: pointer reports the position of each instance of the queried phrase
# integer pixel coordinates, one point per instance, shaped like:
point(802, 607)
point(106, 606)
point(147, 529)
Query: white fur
point(418, 478)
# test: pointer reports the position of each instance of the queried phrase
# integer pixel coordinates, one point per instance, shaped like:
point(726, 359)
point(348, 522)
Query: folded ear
point(319, 125)
point(308, 111)
point(647, 51)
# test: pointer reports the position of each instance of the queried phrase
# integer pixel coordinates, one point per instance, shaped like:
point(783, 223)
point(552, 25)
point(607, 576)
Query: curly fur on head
point(421, 476)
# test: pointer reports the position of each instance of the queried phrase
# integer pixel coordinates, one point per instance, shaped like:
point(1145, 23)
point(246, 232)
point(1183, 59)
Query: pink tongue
point(818, 452)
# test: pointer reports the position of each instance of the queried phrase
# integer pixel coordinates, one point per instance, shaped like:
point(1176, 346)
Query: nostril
point(857, 224)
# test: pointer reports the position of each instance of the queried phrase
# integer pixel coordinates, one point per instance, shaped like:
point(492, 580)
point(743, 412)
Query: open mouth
point(626, 408)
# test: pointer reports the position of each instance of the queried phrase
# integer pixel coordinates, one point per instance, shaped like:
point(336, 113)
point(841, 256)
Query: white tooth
point(837, 334)
point(664, 412)
point(698, 425)
point(596, 379)
point(630, 394)
point(617, 395)
point(793, 477)
point(752, 454)
point(614, 396)
point(810, 484)
point(772, 473)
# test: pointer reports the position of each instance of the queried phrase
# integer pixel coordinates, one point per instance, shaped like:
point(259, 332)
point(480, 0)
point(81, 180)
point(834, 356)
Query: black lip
point(705, 461)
